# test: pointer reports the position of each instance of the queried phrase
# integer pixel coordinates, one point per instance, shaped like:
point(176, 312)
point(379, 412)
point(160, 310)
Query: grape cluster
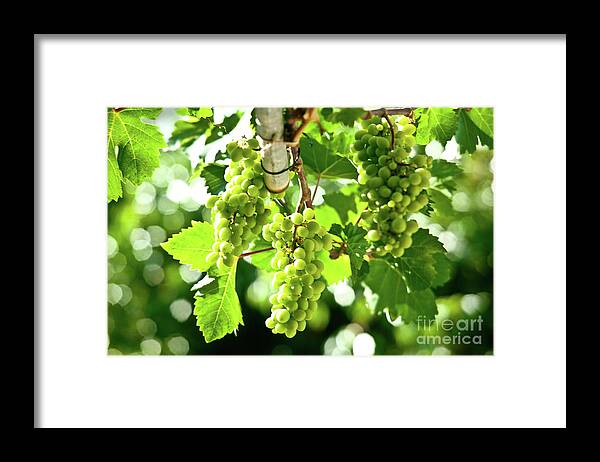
point(393, 183)
point(296, 239)
point(239, 212)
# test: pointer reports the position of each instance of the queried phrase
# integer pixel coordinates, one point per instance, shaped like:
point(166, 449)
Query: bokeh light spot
point(146, 327)
point(114, 293)
point(112, 246)
point(188, 274)
point(363, 345)
point(153, 274)
point(178, 345)
point(470, 303)
point(150, 347)
point(181, 309)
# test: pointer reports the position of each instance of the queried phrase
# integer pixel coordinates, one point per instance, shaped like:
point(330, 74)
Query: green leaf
point(203, 112)
point(348, 115)
point(188, 132)
point(418, 264)
point(342, 140)
point(214, 175)
point(402, 285)
point(115, 177)
point(261, 260)
point(386, 283)
point(192, 245)
point(341, 203)
point(217, 307)
point(326, 215)
point(420, 304)
point(337, 230)
point(436, 124)
point(321, 160)
point(138, 143)
point(388, 291)
point(483, 118)
point(417, 269)
point(468, 134)
point(442, 269)
point(441, 203)
point(443, 169)
point(335, 270)
point(357, 245)
point(225, 127)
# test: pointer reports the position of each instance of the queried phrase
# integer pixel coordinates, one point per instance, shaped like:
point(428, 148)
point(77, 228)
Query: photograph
point(342, 231)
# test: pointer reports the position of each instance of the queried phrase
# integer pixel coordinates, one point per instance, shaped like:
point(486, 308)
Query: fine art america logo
point(450, 332)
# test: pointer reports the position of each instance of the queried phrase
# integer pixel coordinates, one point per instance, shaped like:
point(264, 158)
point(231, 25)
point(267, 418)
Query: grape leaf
point(192, 245)
point(443, 169)
point(337, 230)
point(335, 269)
point(417, 269)
point(419, 265)
point(217, 307)
point(115, 189)
point(321, 160)
point(387, 284)
point(342, 140)
point(389, 291)
point(442, 269)
point(436, 123)
point(188, 132)
point(441, 203)
point(347, 116)
point(341, 203)
point(357, 245)
point(138, 143)
point(486, 140)
point(419, 305)
point(261, 260)
point(402, 285)
point(483, 118)
point(203, 112)
point(217, 131)
point(468, 134)
point(326, 215)
point(214, 175)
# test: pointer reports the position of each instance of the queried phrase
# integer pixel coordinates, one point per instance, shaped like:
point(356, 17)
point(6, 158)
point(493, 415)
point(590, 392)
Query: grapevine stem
point(305, 196)
point(389, 121)
point(255, 251)
point(316, 187)
point(407, 111)
point(310, 116)
point(360, 216)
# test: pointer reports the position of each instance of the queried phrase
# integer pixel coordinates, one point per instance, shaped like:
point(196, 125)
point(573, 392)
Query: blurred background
point(150, 303)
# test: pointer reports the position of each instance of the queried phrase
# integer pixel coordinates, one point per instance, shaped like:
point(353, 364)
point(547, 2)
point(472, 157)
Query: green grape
point(411, 226)
point(298, 218)
point(392, 182)
point(300, 253)
point(385, 192)
point(298, 281)
point(309, 214)
point(384, 173)
point(282, 316)
point(373, 235)
point(238, 213)
point(211, 258)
